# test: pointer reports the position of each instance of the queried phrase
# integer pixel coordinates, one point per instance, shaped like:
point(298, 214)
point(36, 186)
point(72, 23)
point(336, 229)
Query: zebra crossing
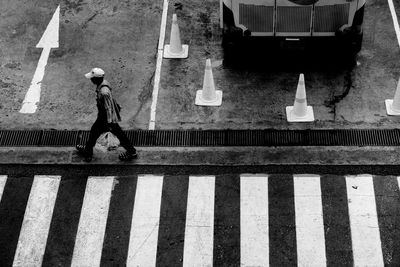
point(223, 220)
point(38, 213)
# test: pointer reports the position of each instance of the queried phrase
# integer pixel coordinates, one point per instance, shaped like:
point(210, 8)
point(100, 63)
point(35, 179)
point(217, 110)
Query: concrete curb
point(213, 156)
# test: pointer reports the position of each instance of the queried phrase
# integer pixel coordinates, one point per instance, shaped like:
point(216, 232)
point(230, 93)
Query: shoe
point(128, 156)
point(82, 151)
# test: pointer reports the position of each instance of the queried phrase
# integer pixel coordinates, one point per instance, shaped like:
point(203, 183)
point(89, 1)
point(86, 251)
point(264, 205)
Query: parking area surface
point(258, 86)
point(119, 36)
point(122, 38)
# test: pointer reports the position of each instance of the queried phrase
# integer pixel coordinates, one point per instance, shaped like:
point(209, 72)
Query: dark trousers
point(101, 126)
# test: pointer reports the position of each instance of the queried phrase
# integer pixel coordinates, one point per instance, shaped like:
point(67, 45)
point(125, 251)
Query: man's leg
point(97, 129)
point(123, 139)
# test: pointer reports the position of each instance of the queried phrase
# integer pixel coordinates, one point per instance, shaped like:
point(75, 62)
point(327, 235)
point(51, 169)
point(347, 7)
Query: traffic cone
point(175, 49)
point(393, 105)
point(300, 112)
point(208, 96)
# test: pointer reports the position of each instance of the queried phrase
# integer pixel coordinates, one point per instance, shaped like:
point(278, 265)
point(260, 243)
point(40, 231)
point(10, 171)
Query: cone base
point(183, 54)
point(293, 118)
point(201, 102)
point(389, 110)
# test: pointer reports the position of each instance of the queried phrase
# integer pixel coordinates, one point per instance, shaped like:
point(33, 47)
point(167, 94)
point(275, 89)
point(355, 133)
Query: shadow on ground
point(288, 56)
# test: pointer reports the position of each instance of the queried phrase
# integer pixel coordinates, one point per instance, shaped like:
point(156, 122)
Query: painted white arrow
point(48, 41)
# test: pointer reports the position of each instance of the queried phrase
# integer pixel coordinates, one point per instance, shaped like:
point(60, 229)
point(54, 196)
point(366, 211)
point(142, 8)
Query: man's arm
point(106, 99)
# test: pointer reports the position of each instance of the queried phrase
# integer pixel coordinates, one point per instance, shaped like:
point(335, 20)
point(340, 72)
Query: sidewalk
point(214, 156)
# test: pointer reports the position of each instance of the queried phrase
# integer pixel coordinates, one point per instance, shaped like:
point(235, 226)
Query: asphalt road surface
point(63, 215)
point(122, 38)
point(199, 216)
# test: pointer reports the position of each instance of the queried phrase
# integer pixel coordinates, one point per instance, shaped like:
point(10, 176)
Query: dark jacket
point(108, 108)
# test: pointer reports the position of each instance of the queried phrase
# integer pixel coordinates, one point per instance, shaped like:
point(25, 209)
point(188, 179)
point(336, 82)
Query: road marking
point(48, 41)
point(3, 180)
point(145, 221)
point(254, 230)
point(367, 248)
point(92, 222)
point(395, 21)
point(398, 181)
point(310, 232)
point(35, 226)
point(199, 229)
point(160, 52)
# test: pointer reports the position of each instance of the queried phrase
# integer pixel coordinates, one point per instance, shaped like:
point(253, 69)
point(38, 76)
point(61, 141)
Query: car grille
point(293, 19)
point(330, 18)
point(257, 18)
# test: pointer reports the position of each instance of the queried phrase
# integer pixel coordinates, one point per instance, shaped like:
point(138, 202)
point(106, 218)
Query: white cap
point(95, 72)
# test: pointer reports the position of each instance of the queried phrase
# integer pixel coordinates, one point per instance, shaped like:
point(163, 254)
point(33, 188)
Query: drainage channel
point(199, 138)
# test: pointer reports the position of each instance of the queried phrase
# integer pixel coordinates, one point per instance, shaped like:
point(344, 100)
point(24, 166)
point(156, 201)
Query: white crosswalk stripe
point(35, 227)
point(92, 223)
point(199, 231)
point(309, 221)
point(198, 246)
point(145, 221)
point(254, 232)
point(363, 221)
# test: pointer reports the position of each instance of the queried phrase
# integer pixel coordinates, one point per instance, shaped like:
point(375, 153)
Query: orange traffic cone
point(175, 49)
point(208, 96)
point(393, 105)
point(300, 112)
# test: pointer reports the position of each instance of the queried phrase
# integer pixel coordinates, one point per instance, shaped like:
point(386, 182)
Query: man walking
point(107, 119)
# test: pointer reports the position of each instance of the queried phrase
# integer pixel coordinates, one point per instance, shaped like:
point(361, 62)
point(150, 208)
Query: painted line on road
point(157, 75)
point(395, 21)
point(3, 180)
point(35, 226)
point(143, 239)
point(49, 40)
point(92, 222)
point(367, 248)
point(199, 228)
point(398, 181)
point(254, 230)
point(309, 221)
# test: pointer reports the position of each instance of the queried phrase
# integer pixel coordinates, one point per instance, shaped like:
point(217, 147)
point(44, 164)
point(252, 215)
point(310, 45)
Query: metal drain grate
point(197, 138)
point(20, 138)
point(59, 138)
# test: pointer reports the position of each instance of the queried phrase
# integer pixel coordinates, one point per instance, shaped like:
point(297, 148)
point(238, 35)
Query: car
point(299, 21)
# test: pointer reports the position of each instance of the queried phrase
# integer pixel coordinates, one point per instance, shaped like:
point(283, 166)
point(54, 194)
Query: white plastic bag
point(107, 141)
